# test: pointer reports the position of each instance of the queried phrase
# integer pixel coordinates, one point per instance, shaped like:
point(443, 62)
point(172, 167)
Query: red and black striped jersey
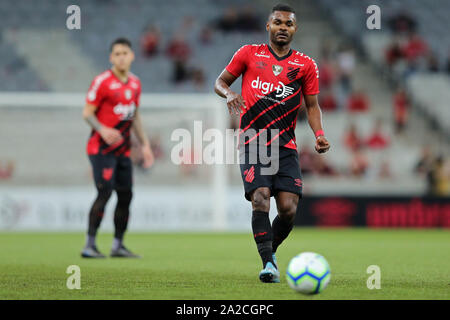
point(116, 104)
point(272, 87)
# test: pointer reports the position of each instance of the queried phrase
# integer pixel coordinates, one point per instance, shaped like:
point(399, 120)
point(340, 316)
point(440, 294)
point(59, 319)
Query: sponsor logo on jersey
point(114, 85)
point(261, 65)
point(125, 111)
point(262, 55)
point(295, 63)
point(266, 87)
point(277, 69)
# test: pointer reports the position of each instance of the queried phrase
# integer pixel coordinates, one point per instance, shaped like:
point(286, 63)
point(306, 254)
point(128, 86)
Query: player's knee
point(124, 196)
point(104, 193)
point(287, 210)
point(261, 199)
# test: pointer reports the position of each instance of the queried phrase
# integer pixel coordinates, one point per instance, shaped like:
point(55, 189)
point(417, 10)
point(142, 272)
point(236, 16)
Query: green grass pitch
point(415, 264)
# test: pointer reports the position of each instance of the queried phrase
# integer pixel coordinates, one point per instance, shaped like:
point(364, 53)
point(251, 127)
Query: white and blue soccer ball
point(308, 273)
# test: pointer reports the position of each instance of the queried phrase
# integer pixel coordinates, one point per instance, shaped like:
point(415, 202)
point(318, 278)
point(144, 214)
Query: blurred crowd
point(408, 52)
point(360, 163)
point(179, 50)
point(340, 93)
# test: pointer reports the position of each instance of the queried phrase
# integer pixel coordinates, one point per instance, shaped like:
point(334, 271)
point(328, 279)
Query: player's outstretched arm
point(315, 122)
point(235, 102)
point(138, 129)
point(110, 135)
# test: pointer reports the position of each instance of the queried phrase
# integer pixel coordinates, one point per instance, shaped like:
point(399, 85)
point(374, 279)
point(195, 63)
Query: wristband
point(319, 133)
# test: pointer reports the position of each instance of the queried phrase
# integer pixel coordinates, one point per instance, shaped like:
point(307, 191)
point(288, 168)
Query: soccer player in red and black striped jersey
point(112, 112)
point(274, 78)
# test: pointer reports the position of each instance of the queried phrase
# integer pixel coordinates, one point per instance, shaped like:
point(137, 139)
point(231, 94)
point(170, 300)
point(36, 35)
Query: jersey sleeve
point(96, 92)
point(238, 62)
point(310, 80)
point(138, 95)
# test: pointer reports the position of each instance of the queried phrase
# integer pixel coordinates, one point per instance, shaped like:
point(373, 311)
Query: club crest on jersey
point(277, 69)
point(128, 94)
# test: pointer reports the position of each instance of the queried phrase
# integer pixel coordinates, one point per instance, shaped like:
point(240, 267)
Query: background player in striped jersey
point(112, 111)
point(274, 78)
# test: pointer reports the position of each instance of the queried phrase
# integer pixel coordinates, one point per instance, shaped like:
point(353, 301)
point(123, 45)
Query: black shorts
point(114, 172)
point(287, 178)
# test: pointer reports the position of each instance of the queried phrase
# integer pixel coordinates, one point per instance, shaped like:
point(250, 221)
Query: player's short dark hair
point(283, 7)
point(122, 40)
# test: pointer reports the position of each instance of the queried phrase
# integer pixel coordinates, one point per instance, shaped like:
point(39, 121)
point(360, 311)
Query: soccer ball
point(308, 273)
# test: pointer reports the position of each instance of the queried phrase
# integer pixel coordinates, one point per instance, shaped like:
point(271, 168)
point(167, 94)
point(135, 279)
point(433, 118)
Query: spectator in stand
point(6, 169)
point(243, 21)
point(415, 48)
point(307, 160)
point(359, 163)
point(377, 139)
point(187, 24)
point(229, 21)
point(401, 109)
point(323, 168)
point(415, 52)
point(358, 101)
point(178, 51)
point(432, 63)
point(327, 69)
point(328, 101)
point(352, 139)
point(394, 53)
point(198, 78)
point(439, 177)
point(425, 162)
point(346, 64)
point(206, 35)
point(150, 41)
point(247, 20)
point(402, 22)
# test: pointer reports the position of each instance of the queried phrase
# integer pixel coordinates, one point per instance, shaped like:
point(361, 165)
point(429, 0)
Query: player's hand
point(110, 135)
point(322, 144)
point(235, 103)
point(148, 157)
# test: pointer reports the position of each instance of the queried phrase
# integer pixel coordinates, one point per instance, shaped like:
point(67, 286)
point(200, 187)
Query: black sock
point(122, 213)
point(97, 210)
point(281, 229)
point(262, 233)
